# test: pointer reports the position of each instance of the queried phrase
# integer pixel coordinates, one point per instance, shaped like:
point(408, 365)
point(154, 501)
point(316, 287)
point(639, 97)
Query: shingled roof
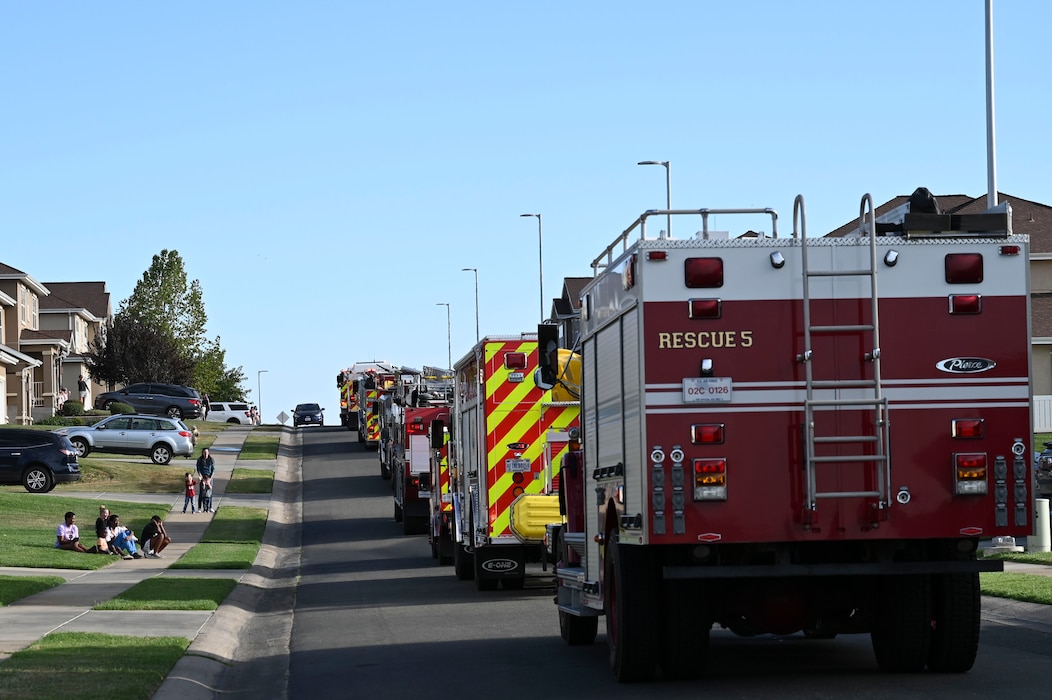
point(91, 296)
point(1031, 218)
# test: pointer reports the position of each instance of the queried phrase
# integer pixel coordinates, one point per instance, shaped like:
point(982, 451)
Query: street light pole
point(259, 393)
point(449, 335)
point(540, 259)
point(475, 270)
point(668, 189)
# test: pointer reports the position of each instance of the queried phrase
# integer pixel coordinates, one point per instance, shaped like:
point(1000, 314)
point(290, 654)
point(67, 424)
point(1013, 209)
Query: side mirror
point(546, 376)
point(438, 434)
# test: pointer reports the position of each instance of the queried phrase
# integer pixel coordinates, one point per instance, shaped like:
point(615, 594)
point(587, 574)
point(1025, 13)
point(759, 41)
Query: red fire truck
point(502, 500)
point(373, 382)
point(415, 405)
point(772, 444)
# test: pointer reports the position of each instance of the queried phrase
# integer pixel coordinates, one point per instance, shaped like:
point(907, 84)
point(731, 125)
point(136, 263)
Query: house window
point(36, 313)
point(23, 313)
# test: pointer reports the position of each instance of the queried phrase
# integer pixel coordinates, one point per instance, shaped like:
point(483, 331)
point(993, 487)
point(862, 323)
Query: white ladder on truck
point(872, 448)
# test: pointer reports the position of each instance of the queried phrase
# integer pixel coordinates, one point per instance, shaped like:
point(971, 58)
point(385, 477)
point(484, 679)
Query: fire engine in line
point(347, 382)
point(773, 445)
point(372, 383)
point(411, 408)
point(502, 499)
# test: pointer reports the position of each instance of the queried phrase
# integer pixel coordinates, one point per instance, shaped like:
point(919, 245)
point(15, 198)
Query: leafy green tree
point(163, 299)
point(231, 386)
point(159, 335)
point(137, 352)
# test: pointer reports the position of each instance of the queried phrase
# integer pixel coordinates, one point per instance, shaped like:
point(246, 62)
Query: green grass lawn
point(169, 593)
point(250, 481)
point(260, 444)
point(90, 666)
point(231, 541)
point(28, 522)
point(13, 588)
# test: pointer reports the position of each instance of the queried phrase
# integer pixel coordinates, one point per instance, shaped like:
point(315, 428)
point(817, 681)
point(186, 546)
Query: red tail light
point(710, 434)
point(703, 273)
point(964, 268)
point(515, 360)
point(965, 428)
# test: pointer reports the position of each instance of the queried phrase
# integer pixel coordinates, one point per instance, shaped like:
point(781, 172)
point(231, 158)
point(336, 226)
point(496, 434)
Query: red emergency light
point(703, 273)
point(964, 268)
point(706, 308)
point(707, 434)
point(966, 428)
point(1009, 250)
point(515, 360)
point(657, 255)
point(966, 304)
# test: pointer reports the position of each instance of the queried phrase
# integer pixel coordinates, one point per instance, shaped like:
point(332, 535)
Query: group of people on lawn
point(113, 538)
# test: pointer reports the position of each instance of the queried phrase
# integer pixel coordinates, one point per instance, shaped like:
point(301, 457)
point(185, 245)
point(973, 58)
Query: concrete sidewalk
point(68, 607)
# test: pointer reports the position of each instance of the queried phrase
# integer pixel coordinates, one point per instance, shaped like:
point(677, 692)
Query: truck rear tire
point(955, 615)
point(685, 630)
point(901, 626)
point(631, 612)
point(483, 582)
point(578, 631)
point(446, 547)
point(463, 563)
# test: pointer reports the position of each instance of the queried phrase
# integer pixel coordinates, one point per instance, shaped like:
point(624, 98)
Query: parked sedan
point(307, 414)
point(153, 436)
point(37, 459)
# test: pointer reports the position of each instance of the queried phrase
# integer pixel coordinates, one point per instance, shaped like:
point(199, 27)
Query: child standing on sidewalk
point(206, 495)
point(189, 494)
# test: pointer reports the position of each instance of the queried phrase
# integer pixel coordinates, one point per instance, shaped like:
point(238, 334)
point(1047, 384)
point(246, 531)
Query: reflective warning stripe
point(515, 413)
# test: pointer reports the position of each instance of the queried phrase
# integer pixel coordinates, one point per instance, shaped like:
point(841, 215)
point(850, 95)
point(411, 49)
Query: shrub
point(72, 407)
point(59, 420)
point(117, 408)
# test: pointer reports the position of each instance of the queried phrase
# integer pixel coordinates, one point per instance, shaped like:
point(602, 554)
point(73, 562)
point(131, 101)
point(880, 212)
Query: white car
point(229, 412)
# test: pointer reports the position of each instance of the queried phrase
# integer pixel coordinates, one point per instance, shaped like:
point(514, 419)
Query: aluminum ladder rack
point(872, 448)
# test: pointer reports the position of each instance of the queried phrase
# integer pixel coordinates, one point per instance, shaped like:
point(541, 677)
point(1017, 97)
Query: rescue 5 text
point(705, 339)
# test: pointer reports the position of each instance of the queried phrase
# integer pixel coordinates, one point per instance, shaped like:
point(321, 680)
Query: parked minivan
point(172, 400)
point(229, 412)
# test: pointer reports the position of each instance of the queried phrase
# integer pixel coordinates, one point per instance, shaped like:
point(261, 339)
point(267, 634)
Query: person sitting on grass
point(123, 538)
point(67, 535)
point(155, 537)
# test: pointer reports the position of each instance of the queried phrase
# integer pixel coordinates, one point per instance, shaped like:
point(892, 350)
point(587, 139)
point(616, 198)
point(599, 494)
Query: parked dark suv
point(170, 400)
point(37, 459)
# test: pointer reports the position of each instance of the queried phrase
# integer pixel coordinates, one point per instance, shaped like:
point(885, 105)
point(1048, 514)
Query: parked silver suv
point(153, 436)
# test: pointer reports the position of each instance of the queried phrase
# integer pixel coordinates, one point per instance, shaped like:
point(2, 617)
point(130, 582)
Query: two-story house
point(76, 313)
point(43, 339)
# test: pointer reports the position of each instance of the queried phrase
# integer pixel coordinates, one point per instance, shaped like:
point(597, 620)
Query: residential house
point(566, 311)
point(77, 313)
point(45, 331)
point(25, 372)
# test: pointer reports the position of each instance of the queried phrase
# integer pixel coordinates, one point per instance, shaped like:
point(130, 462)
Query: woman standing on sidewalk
point(206, 467)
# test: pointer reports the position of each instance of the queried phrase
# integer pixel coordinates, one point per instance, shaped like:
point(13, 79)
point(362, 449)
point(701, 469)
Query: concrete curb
point(240, 643)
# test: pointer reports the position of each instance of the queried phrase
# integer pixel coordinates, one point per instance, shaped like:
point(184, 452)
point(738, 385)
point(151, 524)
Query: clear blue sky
point(326, 169)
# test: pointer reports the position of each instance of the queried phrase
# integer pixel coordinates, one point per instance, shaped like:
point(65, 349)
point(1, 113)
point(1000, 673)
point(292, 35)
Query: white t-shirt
point(66, 533)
